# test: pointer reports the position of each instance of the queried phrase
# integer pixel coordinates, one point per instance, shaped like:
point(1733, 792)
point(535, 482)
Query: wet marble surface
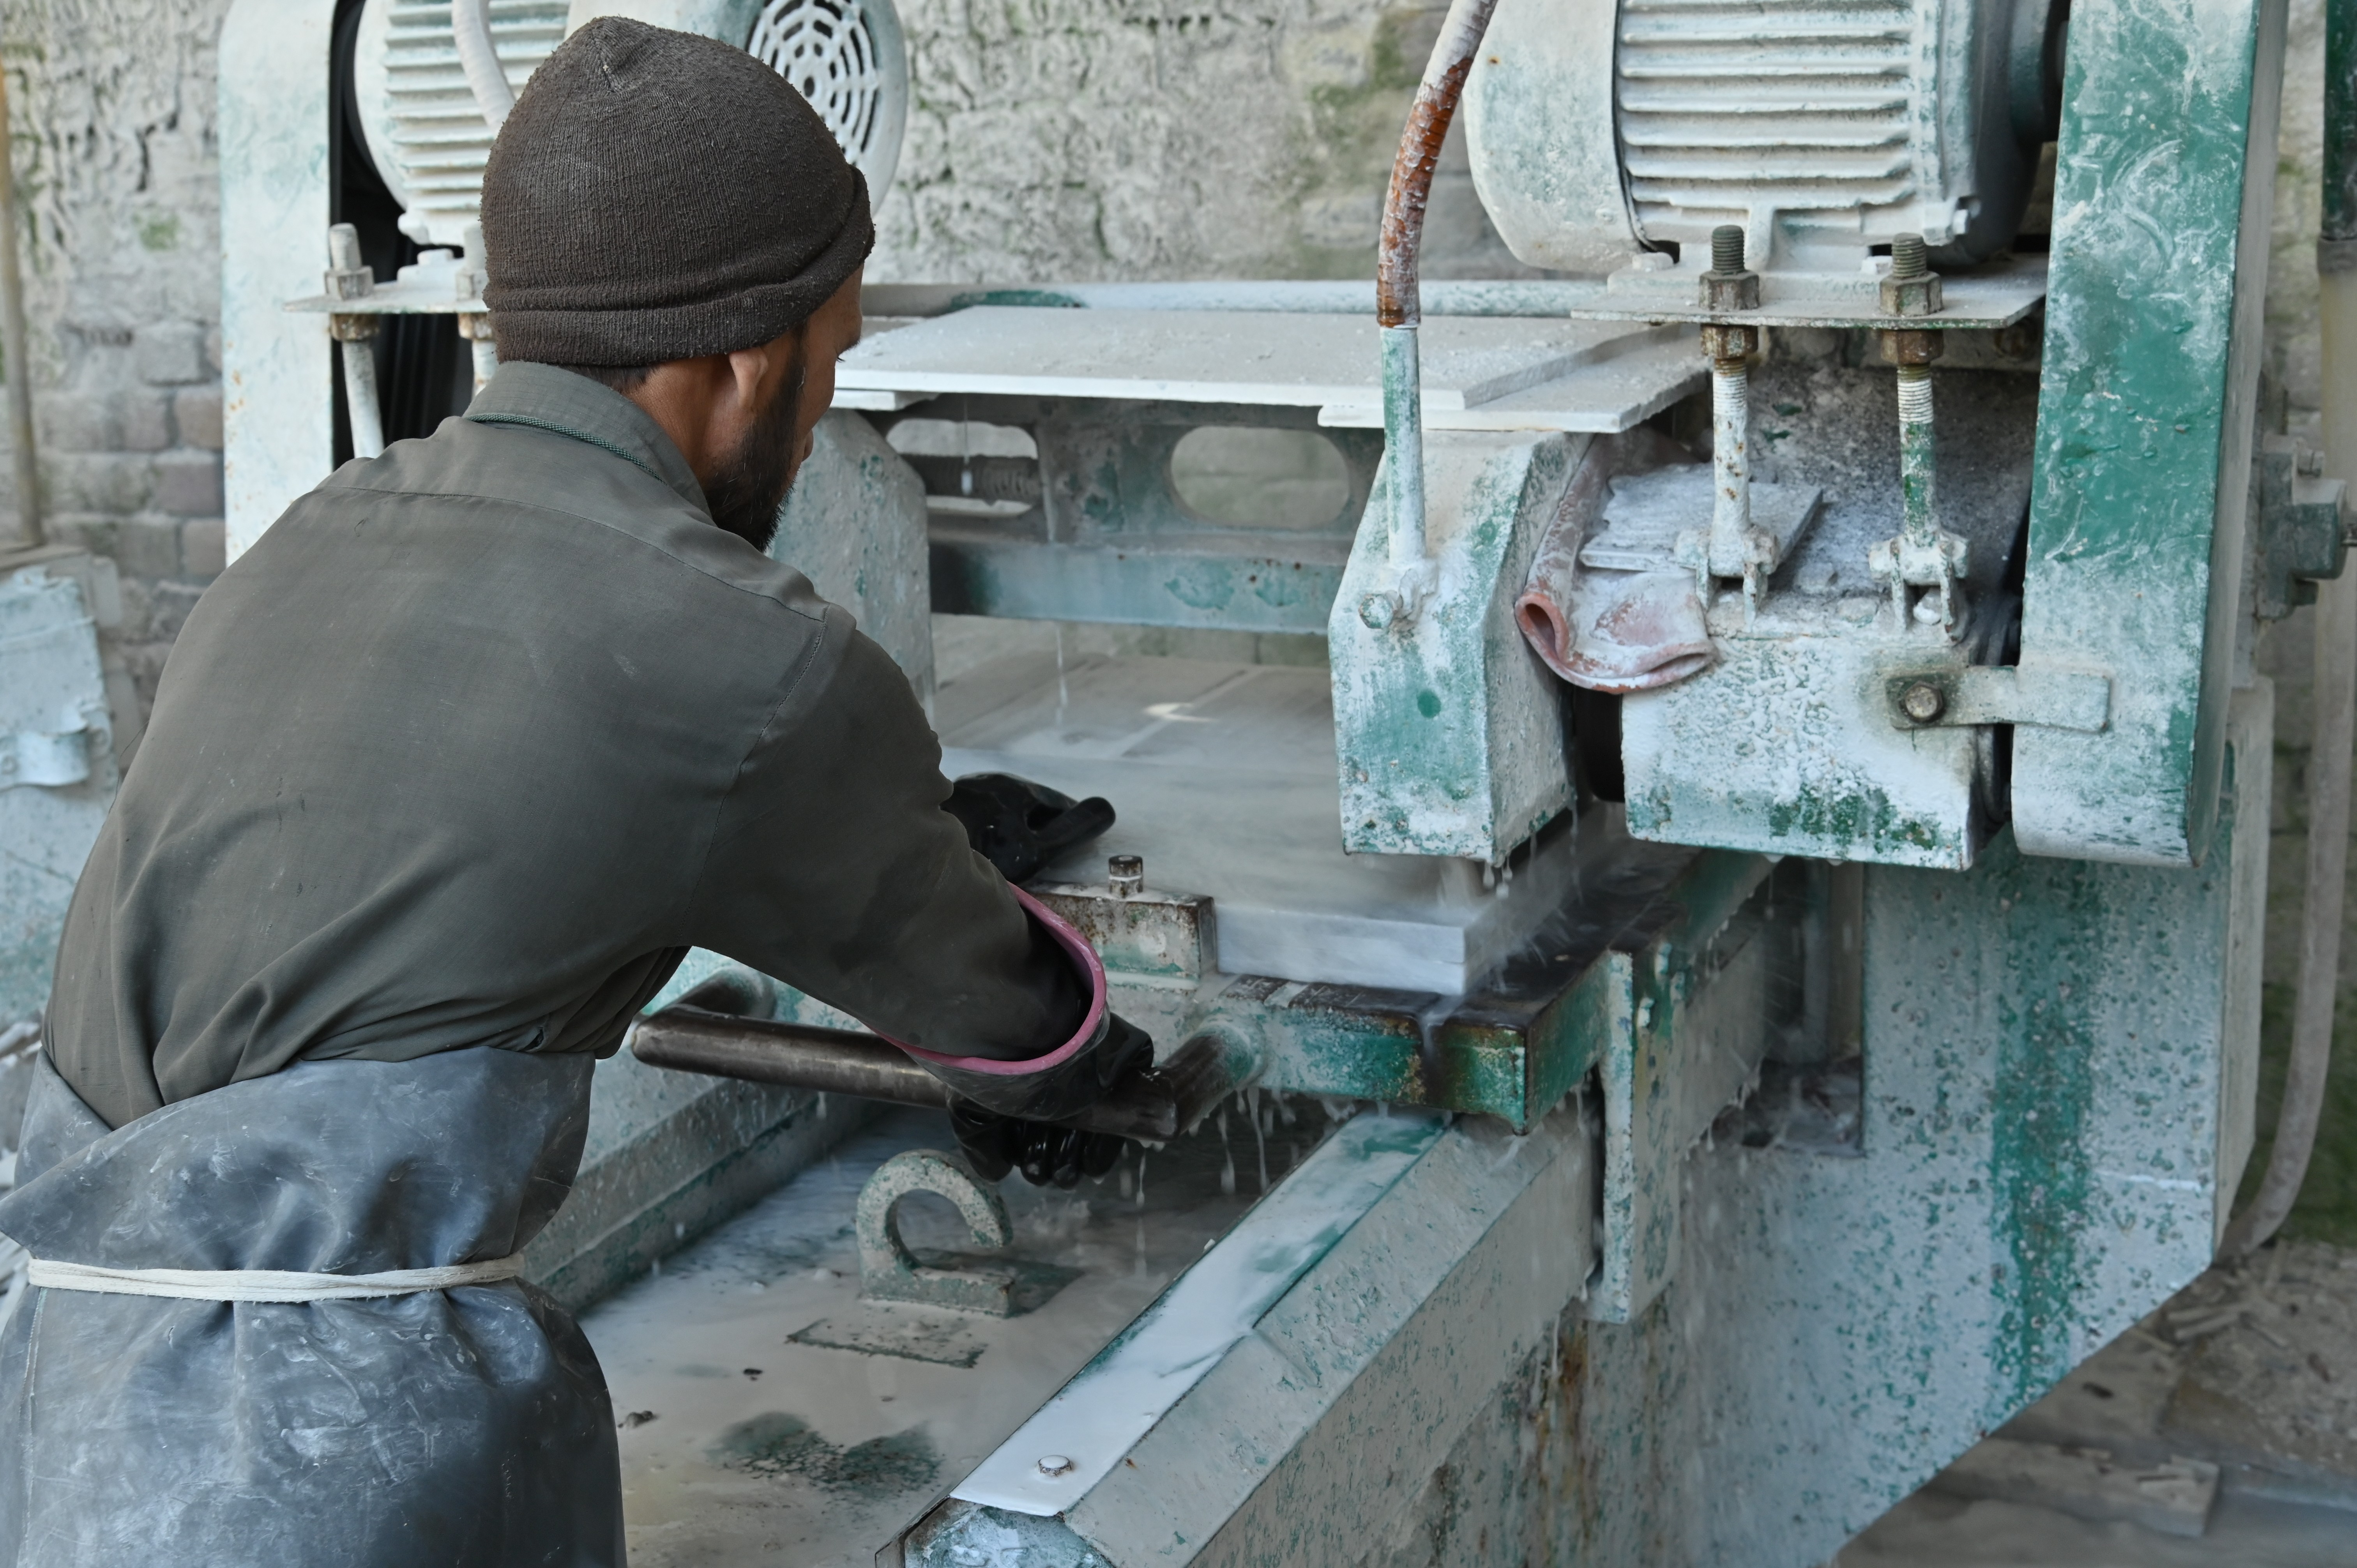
point(770, 1414)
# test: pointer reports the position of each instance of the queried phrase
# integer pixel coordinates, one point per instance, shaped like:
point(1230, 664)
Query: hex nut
point(1730, 291)
point(1901, 347)
point(1911, 297)
point(1126, 874)
point(1055, 1464)
point(1923, 702)
point(1379, 609)
point(2022, 340)
point(1723, 343)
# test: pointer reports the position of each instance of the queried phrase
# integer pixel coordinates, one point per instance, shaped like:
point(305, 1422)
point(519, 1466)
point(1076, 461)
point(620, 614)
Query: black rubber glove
point(1019, 826)
point(1060, 1092)
point(1046, 1154)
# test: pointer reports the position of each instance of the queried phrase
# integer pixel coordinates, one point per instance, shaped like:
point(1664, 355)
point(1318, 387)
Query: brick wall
point(111, 108)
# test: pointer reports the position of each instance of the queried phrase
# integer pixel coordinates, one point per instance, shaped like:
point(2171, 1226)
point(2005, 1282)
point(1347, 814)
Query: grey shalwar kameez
point(444, 776)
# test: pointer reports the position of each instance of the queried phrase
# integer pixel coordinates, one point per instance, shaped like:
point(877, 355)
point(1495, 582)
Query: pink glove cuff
point(1084, 959)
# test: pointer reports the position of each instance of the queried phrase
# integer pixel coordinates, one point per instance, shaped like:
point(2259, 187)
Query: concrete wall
point(1119, 139)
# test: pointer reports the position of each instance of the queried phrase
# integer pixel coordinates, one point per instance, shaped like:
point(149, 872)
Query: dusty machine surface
point(1763, 888)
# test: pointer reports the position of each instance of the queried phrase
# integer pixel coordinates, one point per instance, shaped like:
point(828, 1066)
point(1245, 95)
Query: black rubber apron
point(457, 1428)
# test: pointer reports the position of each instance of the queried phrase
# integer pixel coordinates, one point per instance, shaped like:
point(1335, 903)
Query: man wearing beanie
point(445, 776)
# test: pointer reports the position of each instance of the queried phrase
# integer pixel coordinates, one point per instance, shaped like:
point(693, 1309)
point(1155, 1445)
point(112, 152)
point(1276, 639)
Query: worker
point(445, 776)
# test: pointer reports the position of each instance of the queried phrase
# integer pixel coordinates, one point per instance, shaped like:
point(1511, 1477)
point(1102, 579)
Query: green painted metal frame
point(1619, 960)
point(1112, 542)
point(2163, 189)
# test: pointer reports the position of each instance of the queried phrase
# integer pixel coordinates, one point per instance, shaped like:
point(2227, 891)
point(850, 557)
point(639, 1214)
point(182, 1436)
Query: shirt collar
point(543, 397)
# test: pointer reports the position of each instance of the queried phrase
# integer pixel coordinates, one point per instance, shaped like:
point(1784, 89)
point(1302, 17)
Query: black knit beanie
point(659, 196)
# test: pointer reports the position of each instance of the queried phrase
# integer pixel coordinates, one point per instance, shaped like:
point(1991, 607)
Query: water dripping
point(1429, 1021)
point(1128, 1181)
point(1141, 1179)
point(1063, 691)
point(1141, 1247)
point(1260, 1133)
point(1227, 1158)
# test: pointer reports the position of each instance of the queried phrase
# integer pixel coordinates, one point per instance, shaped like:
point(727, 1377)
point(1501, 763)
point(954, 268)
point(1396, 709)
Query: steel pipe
point(1153, 1107)
point(1398, 308)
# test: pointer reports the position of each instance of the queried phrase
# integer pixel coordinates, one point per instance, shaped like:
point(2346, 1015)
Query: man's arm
point(833, 868)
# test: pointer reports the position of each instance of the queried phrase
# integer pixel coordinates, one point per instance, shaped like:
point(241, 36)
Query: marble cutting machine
point(1774, 841)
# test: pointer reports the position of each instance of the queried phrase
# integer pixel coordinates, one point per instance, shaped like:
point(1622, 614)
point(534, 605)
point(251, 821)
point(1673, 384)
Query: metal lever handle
point(1154, 1106)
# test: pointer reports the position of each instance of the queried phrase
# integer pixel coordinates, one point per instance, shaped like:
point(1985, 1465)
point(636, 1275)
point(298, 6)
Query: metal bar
point(1403, 375)
point(12, 344)
point(358, 357)
point(2146, 426)
point(1398, 308)
point(1730, 508)
point(1154, 1106)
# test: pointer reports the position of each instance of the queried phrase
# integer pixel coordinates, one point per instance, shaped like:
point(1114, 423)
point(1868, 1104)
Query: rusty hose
point(1428, 119)
point(1398, 308)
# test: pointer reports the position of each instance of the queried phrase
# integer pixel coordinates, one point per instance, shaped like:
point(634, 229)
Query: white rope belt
point(265, 1284)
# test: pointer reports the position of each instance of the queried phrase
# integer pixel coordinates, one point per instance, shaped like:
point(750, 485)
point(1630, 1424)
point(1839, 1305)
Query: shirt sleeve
point(833, 868)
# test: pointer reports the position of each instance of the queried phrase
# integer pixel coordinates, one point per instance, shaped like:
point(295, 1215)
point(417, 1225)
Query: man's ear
point(748, 367)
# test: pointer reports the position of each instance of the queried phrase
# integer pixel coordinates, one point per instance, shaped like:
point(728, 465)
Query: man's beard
point(751, 485)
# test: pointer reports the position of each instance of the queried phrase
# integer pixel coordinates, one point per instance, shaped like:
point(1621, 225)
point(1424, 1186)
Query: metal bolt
point(1923, 702)
point(1379, 609)
point(1727, 248)
point(1730, 285)
point(1055, 1464)
point(1911, 287)
point(348, 277)
point(1126, 874)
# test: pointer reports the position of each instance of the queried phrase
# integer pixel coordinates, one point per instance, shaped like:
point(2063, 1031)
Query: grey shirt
point(478, 739)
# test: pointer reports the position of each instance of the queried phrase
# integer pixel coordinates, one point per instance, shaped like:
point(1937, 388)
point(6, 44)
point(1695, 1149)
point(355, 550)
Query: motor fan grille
point(828, 52)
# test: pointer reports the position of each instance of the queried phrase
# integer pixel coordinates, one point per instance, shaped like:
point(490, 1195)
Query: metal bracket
point(889, 1271)
point(2302, 530)
point(1150, 934)
point(1999, 694)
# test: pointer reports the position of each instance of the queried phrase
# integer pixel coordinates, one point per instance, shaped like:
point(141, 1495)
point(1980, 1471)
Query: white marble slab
point(1224, 776)
point(1219, 356)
